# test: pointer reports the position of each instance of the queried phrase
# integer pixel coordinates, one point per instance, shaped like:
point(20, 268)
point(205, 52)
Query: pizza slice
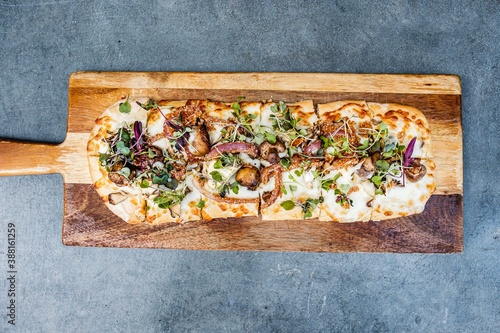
point(110, 152)
point(403, 199)
point(287, 129)
point(290, 186)
point(216, 139)
point(218, 182)
point(292, 193)
point(347, 193)
point(174, 128)
point(404, 170)
point(159, 170)
point(228, 181)
point(347, 137)
point(375, 149)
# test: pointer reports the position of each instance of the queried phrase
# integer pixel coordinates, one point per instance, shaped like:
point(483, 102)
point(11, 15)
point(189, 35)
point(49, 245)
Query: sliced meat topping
point(192, 111)
point(200, 143)
point(270, 197)
point(179, 171)
point(155, 138)
point(342, 163)
point(299, 161)
point(143, 161)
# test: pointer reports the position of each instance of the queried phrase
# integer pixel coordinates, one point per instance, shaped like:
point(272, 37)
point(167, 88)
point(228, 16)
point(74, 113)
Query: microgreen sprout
point(395, 158)
point(168, 199)
point(308, 206)
point(224, 184)
point(125, 106)
point(151, 104)
point(284, 127)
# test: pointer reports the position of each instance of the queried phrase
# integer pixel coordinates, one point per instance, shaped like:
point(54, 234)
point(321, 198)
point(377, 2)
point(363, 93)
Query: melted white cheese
point(360, 192)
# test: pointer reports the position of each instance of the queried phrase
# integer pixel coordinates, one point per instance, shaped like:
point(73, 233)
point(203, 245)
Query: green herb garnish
point(168, 199)
point(125, 106)
point(288, 205)
point(216, 176)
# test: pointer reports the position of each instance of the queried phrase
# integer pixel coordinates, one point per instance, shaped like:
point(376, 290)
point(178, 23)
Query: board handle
point(31, 158)
point(27, 158)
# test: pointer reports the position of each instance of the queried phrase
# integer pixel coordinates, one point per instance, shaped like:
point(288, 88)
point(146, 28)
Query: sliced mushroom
point(270, 151)
point(367, 168)
point(118, 179)
point(117, 197)
point(249, 176)
point(415, 171)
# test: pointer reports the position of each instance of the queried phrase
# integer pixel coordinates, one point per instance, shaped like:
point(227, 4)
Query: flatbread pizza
point(345, 161)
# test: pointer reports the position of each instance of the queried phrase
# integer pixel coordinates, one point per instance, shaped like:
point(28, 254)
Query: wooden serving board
point(87, 221)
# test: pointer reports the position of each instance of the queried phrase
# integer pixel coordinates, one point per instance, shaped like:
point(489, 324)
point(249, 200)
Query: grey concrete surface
point(68, 289)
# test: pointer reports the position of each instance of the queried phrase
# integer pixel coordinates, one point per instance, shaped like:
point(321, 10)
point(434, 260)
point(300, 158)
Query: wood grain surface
point(87, 222)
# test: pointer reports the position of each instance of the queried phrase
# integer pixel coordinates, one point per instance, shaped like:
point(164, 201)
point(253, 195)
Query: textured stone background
point(67, 289)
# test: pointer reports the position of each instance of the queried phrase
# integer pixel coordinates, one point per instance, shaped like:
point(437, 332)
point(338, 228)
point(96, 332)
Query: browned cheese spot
point(103, 120)
point(299, 113)
point(364, 128)
point(419, 122)
point(99, 184)
point(204, 215)
point(151, 219)
point(154, 116)
point(240, 211)
point(353, 189)
point(222, 206)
